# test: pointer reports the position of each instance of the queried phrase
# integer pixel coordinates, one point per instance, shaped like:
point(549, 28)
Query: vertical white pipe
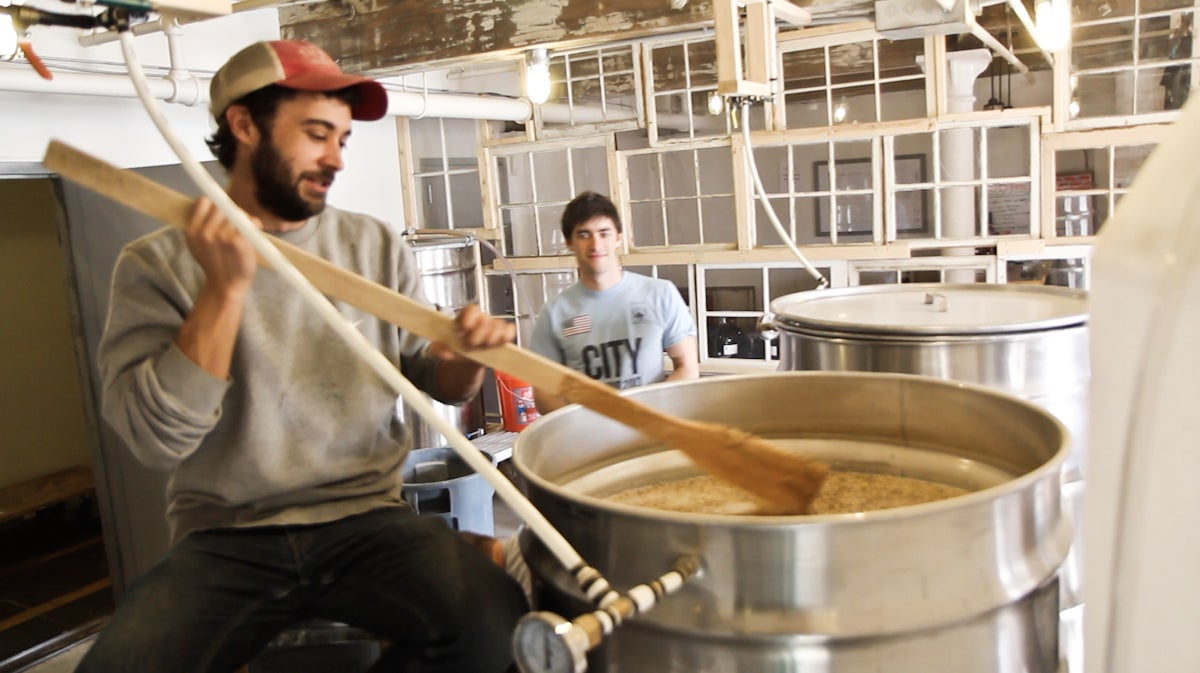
point(958, 154)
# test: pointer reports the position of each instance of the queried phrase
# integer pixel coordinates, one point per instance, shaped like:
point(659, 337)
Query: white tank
point(1142, 501)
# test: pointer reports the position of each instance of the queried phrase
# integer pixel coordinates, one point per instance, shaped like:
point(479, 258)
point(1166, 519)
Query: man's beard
point(276, 190)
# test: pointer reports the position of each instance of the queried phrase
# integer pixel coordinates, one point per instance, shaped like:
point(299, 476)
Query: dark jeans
point(219, 596)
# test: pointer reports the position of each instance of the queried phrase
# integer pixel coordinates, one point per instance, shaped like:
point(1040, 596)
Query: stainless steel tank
point(448, 276)
point(964, 584)
point(1028, 340)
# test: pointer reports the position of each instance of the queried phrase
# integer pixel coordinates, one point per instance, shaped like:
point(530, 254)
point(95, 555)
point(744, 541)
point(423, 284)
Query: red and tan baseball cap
point(294, 64)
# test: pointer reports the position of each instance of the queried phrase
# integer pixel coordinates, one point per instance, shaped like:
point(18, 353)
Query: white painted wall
point(119, 131)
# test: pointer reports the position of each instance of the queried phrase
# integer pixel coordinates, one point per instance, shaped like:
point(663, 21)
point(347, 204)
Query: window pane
point(552, 180)
point(805, 161)
point(807, 109)
point(432, 193)
point(960, 212)
point(785, 211)
point(720, 225)
point(902, 100)
point(585, 65)
point(558, 80)
point(1099, 95)
point(914, 145)
point(854, 104)
point(679, 172)
point(1008, 209)
point(772, 168)
point(1158, 42)
point(1008, 152)
point(520, 235)
point(1127, 161)
point(716, 170)
point(644, 177)
point(647, 224)
point(620, 106)
point(1067, 273)
point(590, 165)
point(1075, 215)
point(513, 174)
point(808, 228)
point(1103, 45)
point(550, 237)
point(1150, 91)
point(465, 200)
point(683, 222)
point(1073, 162)
point(462, 140)
point(667, 67)
point(426, 135)
point(851, 63)
point(585, 93)
point(702, 61)
point(804, 69)
point(784, 282)
point(878, 277)
point(617, 60)
point(899, 58)
point(671, 114)
point(914, 213)
point(957, 154)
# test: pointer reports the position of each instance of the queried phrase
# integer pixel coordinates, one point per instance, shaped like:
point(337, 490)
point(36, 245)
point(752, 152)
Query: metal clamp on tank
point(545, 642)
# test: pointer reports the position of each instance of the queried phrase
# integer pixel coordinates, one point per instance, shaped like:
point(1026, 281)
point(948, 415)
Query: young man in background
point(612, 325)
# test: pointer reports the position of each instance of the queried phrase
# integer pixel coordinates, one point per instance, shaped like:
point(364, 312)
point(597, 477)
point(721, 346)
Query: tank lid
point(933, 309)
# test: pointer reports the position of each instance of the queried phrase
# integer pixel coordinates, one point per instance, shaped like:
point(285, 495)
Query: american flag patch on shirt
point(580, 324)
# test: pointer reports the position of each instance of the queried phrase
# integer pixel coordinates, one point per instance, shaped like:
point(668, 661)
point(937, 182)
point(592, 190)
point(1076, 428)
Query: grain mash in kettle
point(962, 583)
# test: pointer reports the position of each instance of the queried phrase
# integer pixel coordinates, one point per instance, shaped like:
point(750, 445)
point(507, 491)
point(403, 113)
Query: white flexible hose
point(762, 195)
point(524, 509)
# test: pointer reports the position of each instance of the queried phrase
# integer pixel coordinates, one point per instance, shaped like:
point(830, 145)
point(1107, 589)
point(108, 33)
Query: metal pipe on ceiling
point(193, 91)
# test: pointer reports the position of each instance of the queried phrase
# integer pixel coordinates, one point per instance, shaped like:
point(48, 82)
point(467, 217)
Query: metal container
point(964, 584)
point(448, 276)
point(1028, 340)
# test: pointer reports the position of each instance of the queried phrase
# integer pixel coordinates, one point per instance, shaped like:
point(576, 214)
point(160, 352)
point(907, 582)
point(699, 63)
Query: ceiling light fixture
point(1053, 18)
point(716, 104)
point(537, 77)
point(8, 36)
point(839, 113)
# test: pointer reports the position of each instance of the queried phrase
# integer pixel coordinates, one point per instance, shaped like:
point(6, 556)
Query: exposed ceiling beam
point(386, 37)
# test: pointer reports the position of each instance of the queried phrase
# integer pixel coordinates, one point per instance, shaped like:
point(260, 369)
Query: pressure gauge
point(546, 643)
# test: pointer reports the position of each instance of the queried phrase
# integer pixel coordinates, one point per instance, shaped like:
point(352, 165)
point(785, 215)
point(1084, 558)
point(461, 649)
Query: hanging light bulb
point(1073, 108)
point(1053, 18)
point(716, 105)
point(8, 36)
point(537, 77)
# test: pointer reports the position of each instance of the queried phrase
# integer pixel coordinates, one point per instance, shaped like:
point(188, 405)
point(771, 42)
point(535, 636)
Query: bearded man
point(283, 446)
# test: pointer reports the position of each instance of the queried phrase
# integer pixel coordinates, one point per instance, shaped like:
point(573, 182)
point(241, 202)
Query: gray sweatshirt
point(302, 431)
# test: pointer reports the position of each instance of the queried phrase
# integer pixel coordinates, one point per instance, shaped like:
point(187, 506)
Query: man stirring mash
point(283, 447)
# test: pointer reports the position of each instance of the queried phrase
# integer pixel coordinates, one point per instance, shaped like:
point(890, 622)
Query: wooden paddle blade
point(783, 482)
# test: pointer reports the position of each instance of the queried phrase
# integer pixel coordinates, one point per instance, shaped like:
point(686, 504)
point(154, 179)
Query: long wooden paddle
point(783, 481)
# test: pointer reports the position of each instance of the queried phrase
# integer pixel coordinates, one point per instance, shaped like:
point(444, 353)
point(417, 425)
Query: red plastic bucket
point(516, 402)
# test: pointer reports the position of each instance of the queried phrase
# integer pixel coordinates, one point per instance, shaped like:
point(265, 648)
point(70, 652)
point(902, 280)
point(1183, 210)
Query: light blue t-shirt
point(617, 335)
